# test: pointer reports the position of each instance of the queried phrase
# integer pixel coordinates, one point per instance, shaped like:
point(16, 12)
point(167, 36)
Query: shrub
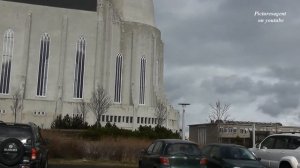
point(68, 122)
point(146, 132)
point(71, 146)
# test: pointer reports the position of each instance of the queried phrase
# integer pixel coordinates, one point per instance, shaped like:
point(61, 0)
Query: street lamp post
point(183, 111)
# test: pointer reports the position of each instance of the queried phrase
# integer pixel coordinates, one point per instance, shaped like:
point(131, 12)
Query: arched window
point(79, 68)
point(118, 78)
point(8, 45)
point(43, 65)
point(142, 80)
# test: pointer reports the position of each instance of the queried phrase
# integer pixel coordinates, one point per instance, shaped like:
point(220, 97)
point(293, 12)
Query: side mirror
point(258, 146)
point(258, 159)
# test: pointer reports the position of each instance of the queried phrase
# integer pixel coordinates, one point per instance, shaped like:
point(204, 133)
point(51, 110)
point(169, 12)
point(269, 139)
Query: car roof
point(170, 141)
point(227, 145)
point(286, 134)
point(16, 124)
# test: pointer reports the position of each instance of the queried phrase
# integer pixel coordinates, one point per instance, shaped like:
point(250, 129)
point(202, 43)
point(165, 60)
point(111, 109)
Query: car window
point(294, 143)
point(150, 148)
point(268, 143)
point(238, 153)
point(206, 150)
point(281, 142)
point(190, 149)
point(22, 133)
point(215, 152)
point(157, 148)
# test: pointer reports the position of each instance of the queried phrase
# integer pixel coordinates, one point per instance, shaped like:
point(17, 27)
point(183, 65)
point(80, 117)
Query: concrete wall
point(106, 36)
point(141, 11)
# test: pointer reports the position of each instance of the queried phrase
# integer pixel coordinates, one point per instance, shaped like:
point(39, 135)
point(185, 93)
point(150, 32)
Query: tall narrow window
point(118, 78)
point(156, 73)
point(43, 65)
point(142, 80)
point(8, 45)
point(79, 68)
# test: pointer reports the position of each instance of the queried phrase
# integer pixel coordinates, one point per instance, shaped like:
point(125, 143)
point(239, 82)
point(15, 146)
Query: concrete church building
point(56, 53)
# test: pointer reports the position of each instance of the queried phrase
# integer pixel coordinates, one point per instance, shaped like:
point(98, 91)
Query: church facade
point(57, 52)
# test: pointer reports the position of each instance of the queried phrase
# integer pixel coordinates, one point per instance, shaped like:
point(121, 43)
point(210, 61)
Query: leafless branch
point(83, 109)
point(219, 112)
point(17, 103)
point(99, 103)
point(161, 113)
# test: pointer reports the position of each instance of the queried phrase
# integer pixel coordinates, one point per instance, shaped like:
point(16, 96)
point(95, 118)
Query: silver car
point(279, 151)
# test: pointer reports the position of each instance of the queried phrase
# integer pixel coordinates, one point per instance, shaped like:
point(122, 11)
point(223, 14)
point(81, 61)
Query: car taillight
point(34, 153)
point(164, 161)
point(203, 161)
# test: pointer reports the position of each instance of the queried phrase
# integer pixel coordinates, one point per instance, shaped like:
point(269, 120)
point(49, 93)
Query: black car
point(229, 156)
point(22, 146)
point(170, 153)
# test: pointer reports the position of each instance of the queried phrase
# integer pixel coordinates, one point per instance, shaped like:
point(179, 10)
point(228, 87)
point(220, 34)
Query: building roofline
point(88, 5)
point(239, 122)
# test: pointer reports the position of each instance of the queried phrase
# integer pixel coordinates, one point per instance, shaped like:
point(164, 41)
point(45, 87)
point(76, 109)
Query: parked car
point(170, 153)
point(229, 156)
point(22, 146)
point(279, 151)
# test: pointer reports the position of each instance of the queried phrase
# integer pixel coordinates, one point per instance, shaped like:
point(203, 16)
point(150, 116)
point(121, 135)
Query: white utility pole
point(183, 122)
point(253, 136)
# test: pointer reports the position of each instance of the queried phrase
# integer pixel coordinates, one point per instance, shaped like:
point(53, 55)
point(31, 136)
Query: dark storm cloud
point(230, 34)
point(255, 63)
point(280, 105)
point(282, 97)
point(229, 85)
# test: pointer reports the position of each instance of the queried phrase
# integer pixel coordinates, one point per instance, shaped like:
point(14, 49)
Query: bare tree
point(82, 108)
point(17, 103)
point(161, 113)
point(99, 103)
point(219, 114)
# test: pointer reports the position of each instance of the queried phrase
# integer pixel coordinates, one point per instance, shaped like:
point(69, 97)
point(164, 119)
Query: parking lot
point(87, 166)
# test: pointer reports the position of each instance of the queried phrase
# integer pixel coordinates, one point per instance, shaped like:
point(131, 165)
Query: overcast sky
point(218, 50)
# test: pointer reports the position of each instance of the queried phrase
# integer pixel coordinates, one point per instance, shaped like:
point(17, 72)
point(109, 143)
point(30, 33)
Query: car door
point(214, 158)
point(264, 149)
point(144, 160)
point(280, 150)
point(151, 158)
point(154, 158)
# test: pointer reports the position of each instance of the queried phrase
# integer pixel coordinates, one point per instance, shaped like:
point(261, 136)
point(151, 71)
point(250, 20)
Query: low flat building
point(237, 132)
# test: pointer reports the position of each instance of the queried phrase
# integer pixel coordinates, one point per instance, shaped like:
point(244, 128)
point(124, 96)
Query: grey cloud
point(271, 108)
point(284, 95)
point(226, 34)
point(234, 34)
point(229, 85)
point(290, 73)
point(279, 105)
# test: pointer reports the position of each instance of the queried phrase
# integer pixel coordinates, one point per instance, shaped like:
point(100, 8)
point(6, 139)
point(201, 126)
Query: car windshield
point(183, 148)
point(237, 153)
point(19, 132)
